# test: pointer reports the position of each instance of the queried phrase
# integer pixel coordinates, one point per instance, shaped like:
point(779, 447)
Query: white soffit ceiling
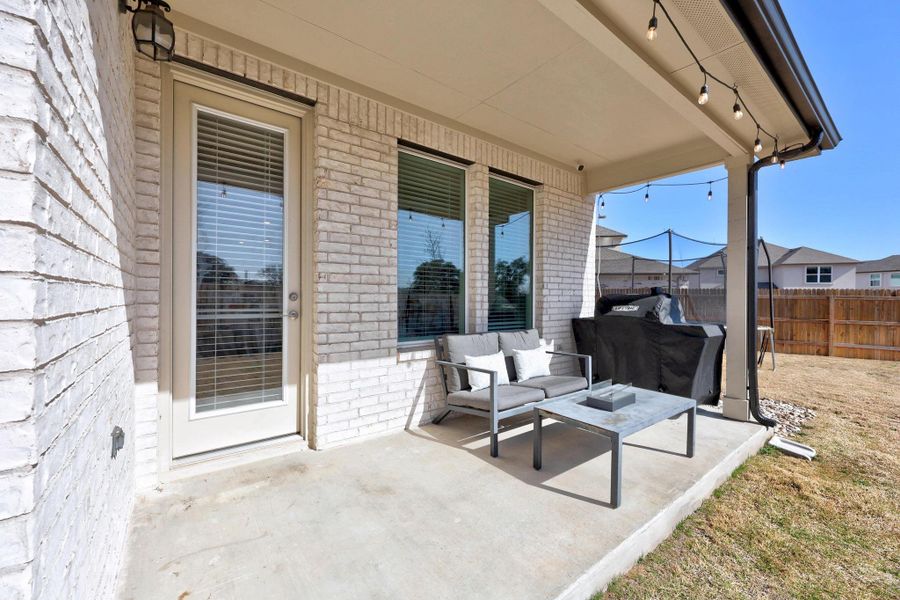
point(720, 46)
point(506, 67)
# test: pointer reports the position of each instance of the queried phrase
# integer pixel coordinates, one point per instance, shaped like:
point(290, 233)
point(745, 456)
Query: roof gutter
point(813, 145)
point(767, 33)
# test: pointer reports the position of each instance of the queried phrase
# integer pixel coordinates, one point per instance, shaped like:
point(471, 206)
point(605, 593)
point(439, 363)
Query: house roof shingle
point(805, 255)
point(607, 232)
point(616, 262)
point(888, 263)
point(802, 255)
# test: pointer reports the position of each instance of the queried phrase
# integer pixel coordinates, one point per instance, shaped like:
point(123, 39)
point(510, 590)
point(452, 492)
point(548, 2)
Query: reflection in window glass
point(239, 263)
point(430, 248)
point(509, 279)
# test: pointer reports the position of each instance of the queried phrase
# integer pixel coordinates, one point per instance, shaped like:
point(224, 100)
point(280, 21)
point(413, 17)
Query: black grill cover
point(644, 341)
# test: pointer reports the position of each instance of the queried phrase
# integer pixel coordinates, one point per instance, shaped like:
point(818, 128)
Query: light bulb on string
point(738, 113)
point(647, 194)
point(703, 98)
point(651, 29)
point(782, 164)
point(652, 25)
point(757, 143)
point(709, 193)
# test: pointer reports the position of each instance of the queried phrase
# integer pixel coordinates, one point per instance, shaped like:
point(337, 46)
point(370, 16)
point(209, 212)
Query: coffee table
point(648, 409)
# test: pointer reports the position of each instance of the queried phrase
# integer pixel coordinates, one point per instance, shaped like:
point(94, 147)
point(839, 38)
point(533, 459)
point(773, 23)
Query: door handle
point(292, 314)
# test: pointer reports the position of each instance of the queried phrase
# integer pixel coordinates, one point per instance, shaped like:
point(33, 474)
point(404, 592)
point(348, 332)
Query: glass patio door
point(235, 268)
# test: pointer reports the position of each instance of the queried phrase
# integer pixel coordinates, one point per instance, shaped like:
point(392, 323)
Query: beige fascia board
point(586, 20)
point(252, 48)
point(666, 163)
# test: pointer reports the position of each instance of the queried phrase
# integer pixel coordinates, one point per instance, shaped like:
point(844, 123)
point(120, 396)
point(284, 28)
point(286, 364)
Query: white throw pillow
point(532, 363)
point(494, 362)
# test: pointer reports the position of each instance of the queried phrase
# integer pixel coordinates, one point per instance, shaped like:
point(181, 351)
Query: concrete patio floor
point(427, 513)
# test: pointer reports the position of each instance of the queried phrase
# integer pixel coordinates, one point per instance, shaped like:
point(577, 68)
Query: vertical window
point(430, 248)
point(895, 279)
point(239, 263)
point(875, 280)
point(509, 278)
point(818, 274)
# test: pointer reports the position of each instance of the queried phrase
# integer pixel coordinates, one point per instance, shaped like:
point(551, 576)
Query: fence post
point(830, 325)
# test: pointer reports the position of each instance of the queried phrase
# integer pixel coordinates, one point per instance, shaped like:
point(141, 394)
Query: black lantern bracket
point(154, 34)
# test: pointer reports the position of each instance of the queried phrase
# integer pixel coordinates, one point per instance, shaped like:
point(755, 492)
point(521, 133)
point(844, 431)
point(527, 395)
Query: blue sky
point(845, 201)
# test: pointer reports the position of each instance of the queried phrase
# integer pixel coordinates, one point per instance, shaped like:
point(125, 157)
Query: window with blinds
point(239, 263)
point(430, 248)
point(509, 278)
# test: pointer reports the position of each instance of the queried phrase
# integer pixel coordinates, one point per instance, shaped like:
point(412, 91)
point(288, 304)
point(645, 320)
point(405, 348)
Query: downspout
point(752, 256)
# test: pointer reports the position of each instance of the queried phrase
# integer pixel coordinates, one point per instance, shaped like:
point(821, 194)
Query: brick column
point(477, 249)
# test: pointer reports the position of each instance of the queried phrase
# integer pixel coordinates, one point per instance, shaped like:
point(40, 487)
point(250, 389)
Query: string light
point(782, 164)
point(736, 109)
point(703, 98)
point(652, 25)
point(646, 189)
point(739, 108)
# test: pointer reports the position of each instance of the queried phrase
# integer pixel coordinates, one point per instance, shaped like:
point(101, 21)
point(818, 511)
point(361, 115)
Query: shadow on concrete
point(565, 448)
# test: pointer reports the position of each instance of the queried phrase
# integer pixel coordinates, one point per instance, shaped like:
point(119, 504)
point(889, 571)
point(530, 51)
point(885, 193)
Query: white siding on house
point(843, 276)
point(68, 308)
point(863, 280)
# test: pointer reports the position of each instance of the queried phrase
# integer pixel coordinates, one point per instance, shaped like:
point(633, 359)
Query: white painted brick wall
point(67, 308)
point(364, 384)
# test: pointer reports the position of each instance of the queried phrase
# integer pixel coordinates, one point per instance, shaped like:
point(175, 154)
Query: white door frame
point(169, 73)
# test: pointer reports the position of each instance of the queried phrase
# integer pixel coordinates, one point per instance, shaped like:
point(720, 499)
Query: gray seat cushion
point(508, 396)
point(458, 347)
point(526, 339)
point(555, 385)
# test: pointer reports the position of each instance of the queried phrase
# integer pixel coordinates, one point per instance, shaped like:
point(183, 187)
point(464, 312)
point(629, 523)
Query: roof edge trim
point(769, 36)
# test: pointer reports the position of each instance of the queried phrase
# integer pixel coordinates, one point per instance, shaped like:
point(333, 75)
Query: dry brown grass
point(786, 528)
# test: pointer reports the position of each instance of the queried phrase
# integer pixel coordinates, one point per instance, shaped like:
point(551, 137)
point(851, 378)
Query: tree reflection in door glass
point(239, 264)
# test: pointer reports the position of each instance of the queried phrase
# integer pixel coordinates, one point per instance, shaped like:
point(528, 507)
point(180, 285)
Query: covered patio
point(234, 247)
point(428, 513)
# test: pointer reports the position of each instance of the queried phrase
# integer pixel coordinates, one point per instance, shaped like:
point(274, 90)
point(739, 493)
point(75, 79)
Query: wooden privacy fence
point(850, 323)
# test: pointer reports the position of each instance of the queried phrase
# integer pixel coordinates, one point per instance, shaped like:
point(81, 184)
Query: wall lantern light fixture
point(154, 34)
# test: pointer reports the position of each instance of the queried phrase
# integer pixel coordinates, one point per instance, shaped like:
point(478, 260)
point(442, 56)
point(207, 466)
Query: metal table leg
point(691, 421)
point(538, 434)
point(615, 474)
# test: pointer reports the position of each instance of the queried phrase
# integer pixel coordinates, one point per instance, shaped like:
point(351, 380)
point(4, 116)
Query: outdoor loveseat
point(497, 402)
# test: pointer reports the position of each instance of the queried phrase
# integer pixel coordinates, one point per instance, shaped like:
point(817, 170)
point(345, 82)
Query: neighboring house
point(619, 269)
point(253, 246)
point(800, 267)
point(607, 239)
point(882, 273)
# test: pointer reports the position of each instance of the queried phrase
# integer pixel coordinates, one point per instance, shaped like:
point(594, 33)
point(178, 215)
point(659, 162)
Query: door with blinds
point(235, 266)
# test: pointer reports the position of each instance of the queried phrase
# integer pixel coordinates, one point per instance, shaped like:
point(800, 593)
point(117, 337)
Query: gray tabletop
point(649, 407)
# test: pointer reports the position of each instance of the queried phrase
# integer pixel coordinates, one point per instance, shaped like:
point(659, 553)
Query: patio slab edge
point(654, 532)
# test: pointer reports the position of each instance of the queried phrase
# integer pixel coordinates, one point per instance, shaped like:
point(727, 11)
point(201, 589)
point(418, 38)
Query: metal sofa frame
point(494, 414)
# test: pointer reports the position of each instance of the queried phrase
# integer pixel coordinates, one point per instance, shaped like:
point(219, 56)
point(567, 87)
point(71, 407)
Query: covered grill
point(644, 340)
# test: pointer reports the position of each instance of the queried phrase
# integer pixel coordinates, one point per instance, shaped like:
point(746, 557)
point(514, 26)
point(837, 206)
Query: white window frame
point(819, 273)
point(894, 277)
point(874, 279)
point(720, 272)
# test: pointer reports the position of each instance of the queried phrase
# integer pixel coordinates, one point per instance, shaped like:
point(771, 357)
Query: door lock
point(293, 296)
point(292, 314)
